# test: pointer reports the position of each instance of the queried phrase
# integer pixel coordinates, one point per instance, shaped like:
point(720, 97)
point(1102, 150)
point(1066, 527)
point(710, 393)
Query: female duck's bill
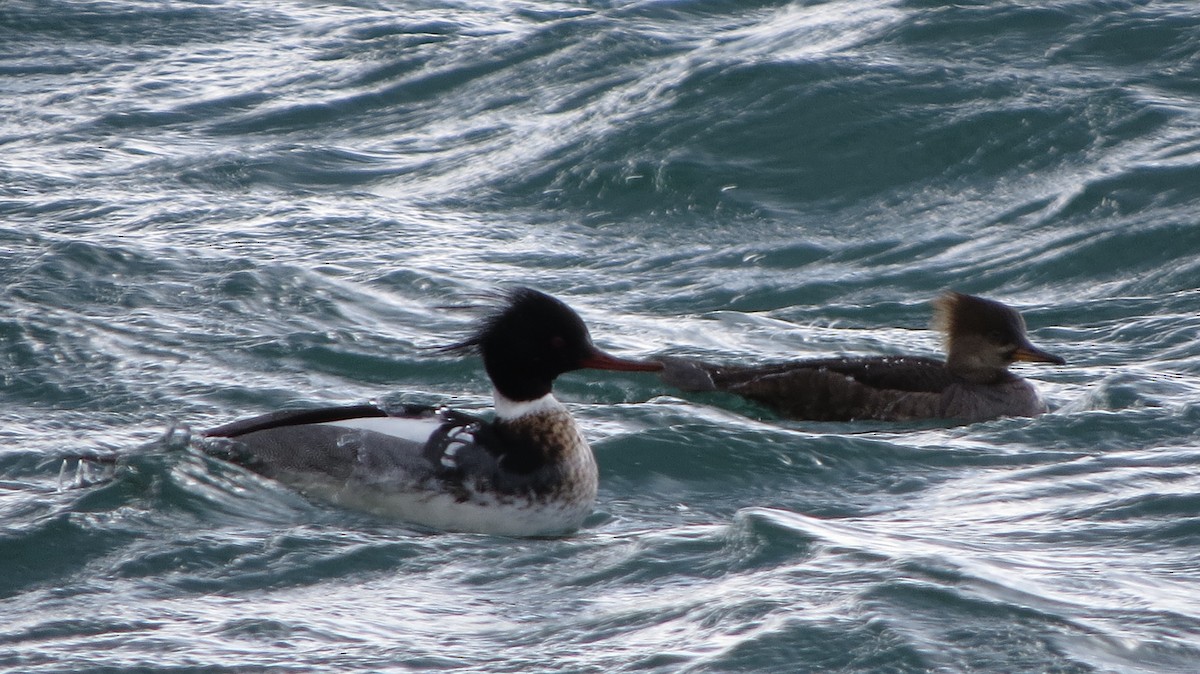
point(526, 472)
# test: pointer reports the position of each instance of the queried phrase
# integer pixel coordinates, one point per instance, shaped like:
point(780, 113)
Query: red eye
point(557, 342)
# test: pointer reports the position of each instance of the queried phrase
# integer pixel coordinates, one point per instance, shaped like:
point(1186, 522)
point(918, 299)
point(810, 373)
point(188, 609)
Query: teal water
point(214, 209)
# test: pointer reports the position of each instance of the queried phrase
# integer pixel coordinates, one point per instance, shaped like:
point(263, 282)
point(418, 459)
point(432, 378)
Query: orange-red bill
point(598, 360)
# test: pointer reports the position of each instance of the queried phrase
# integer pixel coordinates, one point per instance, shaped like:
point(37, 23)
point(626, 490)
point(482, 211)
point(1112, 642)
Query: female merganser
point(983, 337)
point(527, 472)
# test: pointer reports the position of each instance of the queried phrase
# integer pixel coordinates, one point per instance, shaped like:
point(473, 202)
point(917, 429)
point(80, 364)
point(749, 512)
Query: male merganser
point(983, 337)
point(527, 472)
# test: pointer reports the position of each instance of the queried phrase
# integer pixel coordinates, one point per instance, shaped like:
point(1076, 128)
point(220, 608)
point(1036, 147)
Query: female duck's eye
point(557, 342)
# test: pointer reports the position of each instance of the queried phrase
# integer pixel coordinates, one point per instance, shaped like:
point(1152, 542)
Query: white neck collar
point(510, 410)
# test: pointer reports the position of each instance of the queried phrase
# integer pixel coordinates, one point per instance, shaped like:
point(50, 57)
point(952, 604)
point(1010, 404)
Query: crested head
point(530, 339)
point(983, 337)
point(516, 311)
point(960, 314)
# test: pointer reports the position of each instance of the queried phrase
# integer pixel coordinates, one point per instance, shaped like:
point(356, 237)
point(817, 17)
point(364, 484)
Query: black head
point(984, 337)
point(532, 339)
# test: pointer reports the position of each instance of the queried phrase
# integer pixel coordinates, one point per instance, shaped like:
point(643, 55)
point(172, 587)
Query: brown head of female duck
point(983, 338)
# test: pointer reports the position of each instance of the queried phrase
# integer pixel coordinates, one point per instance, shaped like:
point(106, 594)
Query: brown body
point(983, 338)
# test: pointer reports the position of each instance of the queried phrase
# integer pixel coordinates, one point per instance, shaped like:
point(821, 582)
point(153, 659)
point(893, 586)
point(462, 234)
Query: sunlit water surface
point(213, 209)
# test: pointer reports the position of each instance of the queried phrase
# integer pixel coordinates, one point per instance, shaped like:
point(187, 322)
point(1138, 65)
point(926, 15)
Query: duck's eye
point(996, 336)
point(557, 342)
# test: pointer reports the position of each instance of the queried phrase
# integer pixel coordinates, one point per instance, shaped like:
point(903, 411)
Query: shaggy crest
point(956, 314)
point(508, 307)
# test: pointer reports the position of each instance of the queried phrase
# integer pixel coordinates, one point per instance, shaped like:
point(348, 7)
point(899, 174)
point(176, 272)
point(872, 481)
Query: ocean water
point(211, 209)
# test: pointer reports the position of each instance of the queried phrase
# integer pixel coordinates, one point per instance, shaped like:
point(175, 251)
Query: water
point(213, 209)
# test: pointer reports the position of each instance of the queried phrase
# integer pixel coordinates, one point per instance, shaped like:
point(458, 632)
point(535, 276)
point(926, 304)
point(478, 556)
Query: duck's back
point(334, 444)
point(846, 389)
point(829, 389)
point(884, 388)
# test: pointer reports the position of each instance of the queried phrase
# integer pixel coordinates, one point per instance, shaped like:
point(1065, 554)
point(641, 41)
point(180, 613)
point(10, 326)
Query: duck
point(526, 471)
point(983, 338)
